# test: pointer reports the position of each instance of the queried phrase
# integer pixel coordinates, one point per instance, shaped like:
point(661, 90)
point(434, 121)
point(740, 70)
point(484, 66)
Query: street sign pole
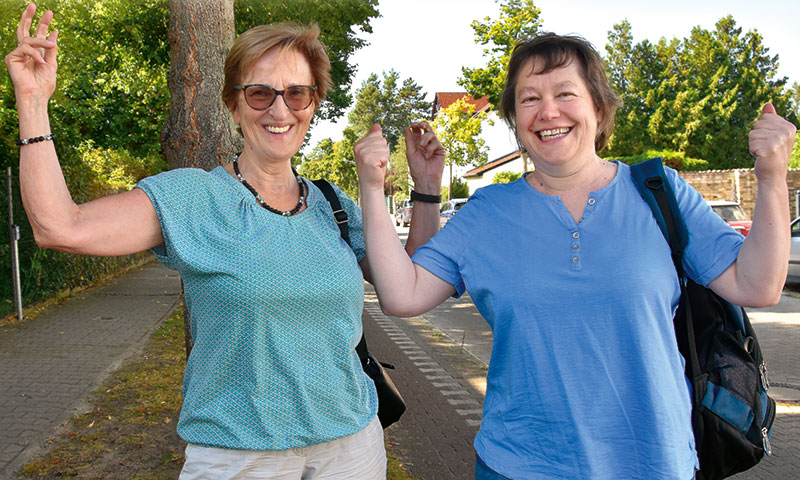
point(13, 236)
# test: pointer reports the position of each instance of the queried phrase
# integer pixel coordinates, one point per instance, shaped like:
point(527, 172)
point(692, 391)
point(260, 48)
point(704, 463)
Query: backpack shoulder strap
point(341, 218)
point(651, 181)
point(339, 214)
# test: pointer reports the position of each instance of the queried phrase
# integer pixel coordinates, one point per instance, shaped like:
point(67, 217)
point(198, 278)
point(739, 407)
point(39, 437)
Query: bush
point(794, 159)
point(506, 177)
point(460, 190)
point(90, 172)
point(117, 170)
point(671, 158)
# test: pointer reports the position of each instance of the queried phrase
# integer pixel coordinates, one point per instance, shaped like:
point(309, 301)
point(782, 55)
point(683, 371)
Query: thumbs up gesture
point(372, 157)
point(771, 142)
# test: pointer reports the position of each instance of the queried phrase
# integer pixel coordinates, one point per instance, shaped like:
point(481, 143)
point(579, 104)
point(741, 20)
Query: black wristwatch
point(421, 197)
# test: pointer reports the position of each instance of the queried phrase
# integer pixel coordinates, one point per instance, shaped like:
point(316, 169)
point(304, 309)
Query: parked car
point(733, 215)
point(794, 255)
point(402, 212)
point(449, 208)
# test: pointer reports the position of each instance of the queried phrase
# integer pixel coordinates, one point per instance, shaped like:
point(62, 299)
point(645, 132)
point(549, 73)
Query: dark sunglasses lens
point(259, 97)
point(299, 97)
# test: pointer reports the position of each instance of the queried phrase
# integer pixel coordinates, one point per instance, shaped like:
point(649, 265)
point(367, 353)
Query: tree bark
point(199, 132)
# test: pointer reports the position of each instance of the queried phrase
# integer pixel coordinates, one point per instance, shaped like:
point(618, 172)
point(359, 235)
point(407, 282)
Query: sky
point(430, 40)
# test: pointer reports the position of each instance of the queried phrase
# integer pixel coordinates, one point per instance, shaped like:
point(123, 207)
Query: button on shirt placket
point(576, 261)
point(576, 235)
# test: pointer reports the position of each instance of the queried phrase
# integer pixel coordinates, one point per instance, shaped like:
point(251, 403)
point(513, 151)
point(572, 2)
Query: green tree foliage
point(107, 114)
point(334, 161)
point(519, 19)
point(458, 128)
point(397, 179)
point(699, 96)
point(112, 101)
point(111, 90)
point(795, 93)
point(394, 104)
point(506, 177)
point(340, 21)
point(391, 103)
point(794, 160)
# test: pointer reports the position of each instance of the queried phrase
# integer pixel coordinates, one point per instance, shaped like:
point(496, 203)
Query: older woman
point(273, 387)
point(572, 273)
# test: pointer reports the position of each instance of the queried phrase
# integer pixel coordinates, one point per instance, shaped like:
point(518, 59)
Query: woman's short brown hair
point(555, 51)
point(255, 42)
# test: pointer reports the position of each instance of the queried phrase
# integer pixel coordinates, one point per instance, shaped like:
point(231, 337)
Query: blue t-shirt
point(275, 306)
point(585, 378)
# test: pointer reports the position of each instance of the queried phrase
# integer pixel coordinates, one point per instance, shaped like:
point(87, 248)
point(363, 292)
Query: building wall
point(514, 166)
point(738, 185)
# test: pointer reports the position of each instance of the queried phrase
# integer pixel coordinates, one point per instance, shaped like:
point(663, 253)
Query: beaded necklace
point(261, 200)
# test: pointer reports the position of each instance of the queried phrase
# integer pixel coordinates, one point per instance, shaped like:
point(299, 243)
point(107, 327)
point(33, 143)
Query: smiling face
point(277, 133)
point(556, 118)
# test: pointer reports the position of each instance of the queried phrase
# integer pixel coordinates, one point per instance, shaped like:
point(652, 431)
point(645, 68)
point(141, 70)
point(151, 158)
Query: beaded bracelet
point(43, 138)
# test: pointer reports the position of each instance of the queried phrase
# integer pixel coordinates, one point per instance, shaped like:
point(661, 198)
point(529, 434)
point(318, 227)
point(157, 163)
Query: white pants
point(359, 456)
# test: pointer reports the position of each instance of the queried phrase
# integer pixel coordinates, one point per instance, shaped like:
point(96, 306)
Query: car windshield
point(730, 213)
point(450, 205)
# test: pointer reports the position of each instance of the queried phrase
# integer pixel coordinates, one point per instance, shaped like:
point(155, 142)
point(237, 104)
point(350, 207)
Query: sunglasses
point(261, 97)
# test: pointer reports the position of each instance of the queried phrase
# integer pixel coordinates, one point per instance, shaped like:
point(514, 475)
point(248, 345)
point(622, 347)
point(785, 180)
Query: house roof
point(477, 172)
point(445, 99)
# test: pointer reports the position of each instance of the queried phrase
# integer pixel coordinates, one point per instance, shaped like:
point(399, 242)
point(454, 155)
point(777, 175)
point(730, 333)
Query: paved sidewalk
point(443, 389)
point(50, 364)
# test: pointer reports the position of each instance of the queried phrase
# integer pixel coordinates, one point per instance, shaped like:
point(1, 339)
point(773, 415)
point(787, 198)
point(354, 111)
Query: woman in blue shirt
point(273, 386)
point(571, 271)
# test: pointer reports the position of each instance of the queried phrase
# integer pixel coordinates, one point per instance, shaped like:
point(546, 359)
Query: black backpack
point(732, 415)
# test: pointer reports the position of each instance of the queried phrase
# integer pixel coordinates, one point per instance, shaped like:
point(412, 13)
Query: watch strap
point(424, 198)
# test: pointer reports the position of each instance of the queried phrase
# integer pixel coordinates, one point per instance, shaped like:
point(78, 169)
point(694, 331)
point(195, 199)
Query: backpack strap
point(342, 220)
point(339, 214)
point(651, 181)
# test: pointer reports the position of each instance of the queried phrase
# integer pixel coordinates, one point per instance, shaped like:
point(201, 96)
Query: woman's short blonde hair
point(255, 42)
point(553, 51)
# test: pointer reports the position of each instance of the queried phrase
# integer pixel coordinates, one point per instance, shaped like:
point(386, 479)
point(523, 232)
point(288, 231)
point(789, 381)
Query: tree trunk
point(199, 132)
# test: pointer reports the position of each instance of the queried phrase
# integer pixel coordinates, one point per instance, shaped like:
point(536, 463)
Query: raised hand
point(32, 65)
point(771, 142)
point(372, 157)
point(426, 158)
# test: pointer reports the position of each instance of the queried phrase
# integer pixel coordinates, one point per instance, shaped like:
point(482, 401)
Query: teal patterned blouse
point(275, 306)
